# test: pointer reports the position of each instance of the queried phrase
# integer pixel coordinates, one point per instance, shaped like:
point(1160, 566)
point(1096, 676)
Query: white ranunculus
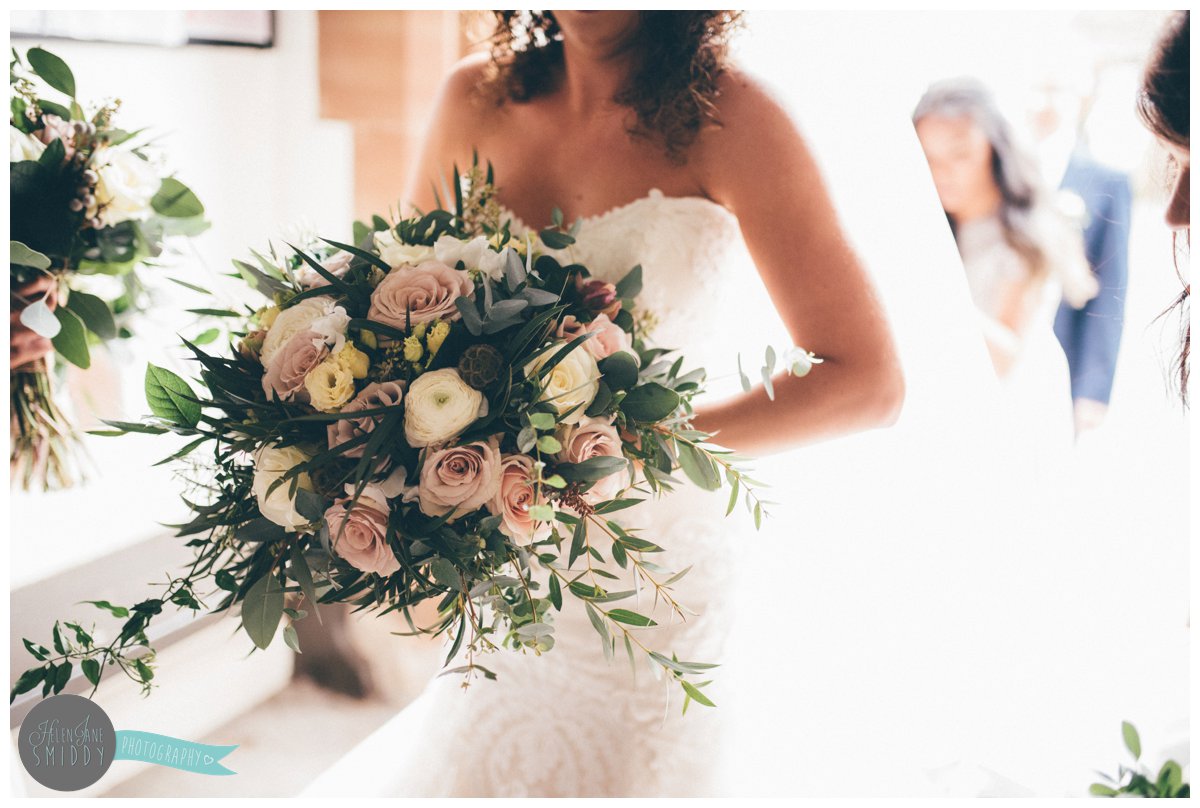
point(571, 385)
point(271, 463)
point(396, 254)
point(332, 326)
point(126, 185)
point(295, 319)
point(474, 254)
point(22, 146)
point(439, 406)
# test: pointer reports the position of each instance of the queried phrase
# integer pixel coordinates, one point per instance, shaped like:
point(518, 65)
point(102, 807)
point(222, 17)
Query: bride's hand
point(759, 167)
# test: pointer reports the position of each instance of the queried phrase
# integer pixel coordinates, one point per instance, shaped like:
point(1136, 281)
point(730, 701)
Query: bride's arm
point(759, 167)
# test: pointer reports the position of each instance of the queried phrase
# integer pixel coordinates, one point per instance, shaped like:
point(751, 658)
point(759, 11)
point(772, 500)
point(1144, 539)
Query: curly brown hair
point(1163, 103)
point(672, 89)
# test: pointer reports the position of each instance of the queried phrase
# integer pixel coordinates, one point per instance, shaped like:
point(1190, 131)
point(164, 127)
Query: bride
point(635, 124)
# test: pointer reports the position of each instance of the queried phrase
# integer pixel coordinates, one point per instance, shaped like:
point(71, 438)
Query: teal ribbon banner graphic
point(164, 750)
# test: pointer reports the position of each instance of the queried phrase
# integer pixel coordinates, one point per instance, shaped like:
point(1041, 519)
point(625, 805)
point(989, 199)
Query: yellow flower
point(412, 348)
point(266, 316)
point(353, 360)
point(329, 385)
point(437, 335)
point(368, 338)
point(419, 329)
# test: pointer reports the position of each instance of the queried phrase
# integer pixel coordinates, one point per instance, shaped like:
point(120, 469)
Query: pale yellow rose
point(330, 385)
point(267, 316)
point(354, 360)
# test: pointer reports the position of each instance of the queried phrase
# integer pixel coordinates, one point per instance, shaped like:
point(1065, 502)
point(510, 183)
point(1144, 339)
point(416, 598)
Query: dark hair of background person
point(1163, 104)
point(673, 88)
point(1015, 173)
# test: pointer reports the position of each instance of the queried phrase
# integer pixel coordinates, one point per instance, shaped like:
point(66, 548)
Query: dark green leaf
point(52, 70)
point(170, 397)
point(262, 609)
point(620, 370)
point(631, 618)
point(71, 340)
point(94, 313)
point(91, 669)
point(175, 200)
point(631, 285)
point(650, 403)
point(116, 611)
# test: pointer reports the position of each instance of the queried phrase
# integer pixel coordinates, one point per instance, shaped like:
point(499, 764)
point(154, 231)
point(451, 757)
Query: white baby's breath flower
point(439, 406)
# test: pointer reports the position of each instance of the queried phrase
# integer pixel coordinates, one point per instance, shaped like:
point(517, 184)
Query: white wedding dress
point(571, 723)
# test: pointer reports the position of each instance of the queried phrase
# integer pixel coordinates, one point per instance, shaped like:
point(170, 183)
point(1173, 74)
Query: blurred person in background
point(1163, 104)
point(1020, 254)
point(1090, 335)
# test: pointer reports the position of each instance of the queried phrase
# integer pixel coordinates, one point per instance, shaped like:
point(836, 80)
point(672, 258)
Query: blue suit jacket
point(1091, 336)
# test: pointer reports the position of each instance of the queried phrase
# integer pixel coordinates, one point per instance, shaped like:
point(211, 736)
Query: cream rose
point(607, 339)
point(330, 385)
point(594, 437)
point(270, 464)
point(22, 146)
point(440, 406)
point(513, 500)
point(125, 186)
point(396, 254)
point(460, 479)
point(419, 294)
point(293, 320)
point(287, 372)
point(359, 533)
point(571, 385)
point(373, 396)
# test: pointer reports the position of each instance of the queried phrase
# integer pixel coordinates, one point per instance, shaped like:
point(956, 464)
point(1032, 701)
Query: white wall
point(240, 126)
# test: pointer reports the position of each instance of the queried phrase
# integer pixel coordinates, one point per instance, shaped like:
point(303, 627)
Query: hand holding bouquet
point(443, 411)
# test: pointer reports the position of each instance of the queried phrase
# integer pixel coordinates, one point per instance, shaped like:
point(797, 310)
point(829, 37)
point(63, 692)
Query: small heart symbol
point(208, 759)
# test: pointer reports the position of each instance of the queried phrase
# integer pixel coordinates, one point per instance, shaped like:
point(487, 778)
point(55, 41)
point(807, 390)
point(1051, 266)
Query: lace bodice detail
point(698, 280)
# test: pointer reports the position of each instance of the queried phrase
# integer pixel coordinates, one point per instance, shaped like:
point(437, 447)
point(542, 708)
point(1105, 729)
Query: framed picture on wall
point(167, 28)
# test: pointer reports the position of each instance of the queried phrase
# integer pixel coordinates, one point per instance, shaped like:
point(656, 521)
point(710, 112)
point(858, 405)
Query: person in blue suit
point(1091, 335)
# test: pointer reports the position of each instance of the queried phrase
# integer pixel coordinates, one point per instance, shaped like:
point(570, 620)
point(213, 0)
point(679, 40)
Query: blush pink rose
point(285, 374)
point(461, 478)
point(608, 336)
point(55, 128)
point(513, 499)
point(336, 265)
point(419, 294)
point(594, 437)
point(359, 534)
point(374, 395)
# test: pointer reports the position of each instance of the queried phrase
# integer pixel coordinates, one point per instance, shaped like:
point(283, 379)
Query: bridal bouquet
point(431, 415)
point(85, 202)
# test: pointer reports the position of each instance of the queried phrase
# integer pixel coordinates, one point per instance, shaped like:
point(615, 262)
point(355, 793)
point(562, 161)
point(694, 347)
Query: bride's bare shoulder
point(755, 129)
point(461, 98)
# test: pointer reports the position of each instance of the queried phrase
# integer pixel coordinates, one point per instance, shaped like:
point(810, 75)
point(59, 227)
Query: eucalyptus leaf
point(94, 312)
point(71, 339)
point(22, 256)
point(39, 319)
point(262, 609)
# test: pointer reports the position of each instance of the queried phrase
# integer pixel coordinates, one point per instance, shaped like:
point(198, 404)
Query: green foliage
point(1138, 781)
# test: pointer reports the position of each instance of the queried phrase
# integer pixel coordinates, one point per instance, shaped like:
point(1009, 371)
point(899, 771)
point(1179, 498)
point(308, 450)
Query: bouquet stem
point(46, 451)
